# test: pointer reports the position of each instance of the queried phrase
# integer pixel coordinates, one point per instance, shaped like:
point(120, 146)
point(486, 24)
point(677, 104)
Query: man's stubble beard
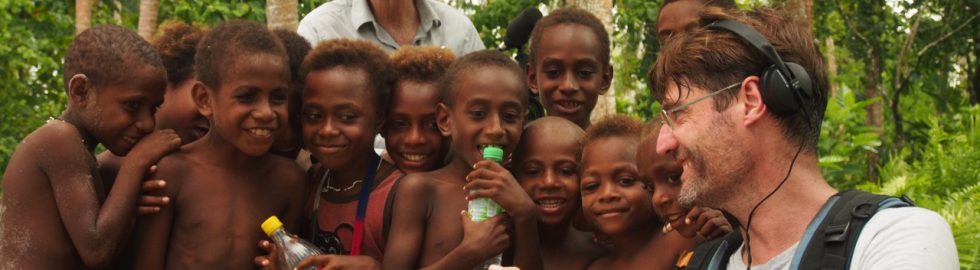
point(719, 183)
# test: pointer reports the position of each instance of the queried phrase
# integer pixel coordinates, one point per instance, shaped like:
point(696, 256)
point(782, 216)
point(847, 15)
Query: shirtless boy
point(546, 164)
point(175, 42)
point(58, 215)
point(226, 183)
point(482, 102)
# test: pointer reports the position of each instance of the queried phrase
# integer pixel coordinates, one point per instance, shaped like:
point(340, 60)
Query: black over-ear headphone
point(785, 85)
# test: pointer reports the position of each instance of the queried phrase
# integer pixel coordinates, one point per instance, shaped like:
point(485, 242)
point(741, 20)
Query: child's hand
point(485, 239)
point(267, 260)
point(150, 204)
point(705, 222)
point(339, 262)
point(490, 180)
point(152, 147)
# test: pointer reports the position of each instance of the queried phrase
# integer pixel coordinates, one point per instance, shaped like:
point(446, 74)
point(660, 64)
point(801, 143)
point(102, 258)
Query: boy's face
point(289, 139)
point(548, 171)
point(488, 110)
point(250, 105)
point(179, 113)
point(613, 198)
point(663, 174)
point(122, 114)
point(339, 116)
point(412, 135)
point(568, 74)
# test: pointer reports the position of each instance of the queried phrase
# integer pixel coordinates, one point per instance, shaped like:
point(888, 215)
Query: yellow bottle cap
point(271, 224)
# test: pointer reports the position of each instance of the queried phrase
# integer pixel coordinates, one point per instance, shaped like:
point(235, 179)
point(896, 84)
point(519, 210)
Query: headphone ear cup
point(785, 99)
point(778, 98)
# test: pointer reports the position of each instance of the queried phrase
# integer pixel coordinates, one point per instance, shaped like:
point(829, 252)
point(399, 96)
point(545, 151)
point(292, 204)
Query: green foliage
point(944, 177)
point(36, 35)
point(845, 140)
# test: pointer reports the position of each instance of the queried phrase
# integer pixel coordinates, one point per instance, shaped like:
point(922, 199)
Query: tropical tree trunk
point(831, 59)
point(606, 105)
point(83, 15)
point(148, 18)
point(872, 90)
point(282, 14)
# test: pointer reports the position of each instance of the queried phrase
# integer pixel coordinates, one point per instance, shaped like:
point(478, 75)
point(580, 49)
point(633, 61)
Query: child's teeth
point(260, 131)
point(412, 157)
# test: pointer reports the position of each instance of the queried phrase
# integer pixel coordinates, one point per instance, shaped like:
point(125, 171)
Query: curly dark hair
point(612, 126)
point(479, 59)
point(227, 43)
point(570, 15)
point(176, 42)
point(357, 54)
point(106, 54)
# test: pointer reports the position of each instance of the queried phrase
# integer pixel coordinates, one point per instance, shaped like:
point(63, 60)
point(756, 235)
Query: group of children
point(235, 104)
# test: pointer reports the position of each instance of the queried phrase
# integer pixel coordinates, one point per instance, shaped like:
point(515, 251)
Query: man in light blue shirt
point(393, 23)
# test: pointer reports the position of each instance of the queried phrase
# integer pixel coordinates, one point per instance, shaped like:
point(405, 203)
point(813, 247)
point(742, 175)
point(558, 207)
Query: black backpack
point(828, 241)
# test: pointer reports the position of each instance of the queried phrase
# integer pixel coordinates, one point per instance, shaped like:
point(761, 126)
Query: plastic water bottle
point(481, 209)
point(292, 250)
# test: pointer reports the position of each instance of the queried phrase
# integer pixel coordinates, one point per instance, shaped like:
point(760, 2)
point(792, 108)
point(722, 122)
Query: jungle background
point(902, 118)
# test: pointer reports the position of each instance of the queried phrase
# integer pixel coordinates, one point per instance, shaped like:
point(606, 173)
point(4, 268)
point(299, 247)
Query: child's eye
point(245, 98)
point(348, 117)
point(674, 179)
point(531, 171)
point(431, 125)
point(312, 117)
point(585, 74)
point(511, 117)
point(131, 106)
point(567, 171)
point(552, 73)
point(626, 181)
point(589, 187)
point(399, 124)
point(477, 114)
point(279, 98)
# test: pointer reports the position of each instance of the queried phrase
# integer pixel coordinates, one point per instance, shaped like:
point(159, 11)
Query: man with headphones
point(744, 96)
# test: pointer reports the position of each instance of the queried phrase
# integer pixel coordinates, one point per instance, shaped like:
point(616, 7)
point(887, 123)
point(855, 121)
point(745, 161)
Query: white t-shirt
point(894, 238)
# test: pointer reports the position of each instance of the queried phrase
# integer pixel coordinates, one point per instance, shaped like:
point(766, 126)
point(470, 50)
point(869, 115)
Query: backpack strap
point(713, 254)
point(830, 238)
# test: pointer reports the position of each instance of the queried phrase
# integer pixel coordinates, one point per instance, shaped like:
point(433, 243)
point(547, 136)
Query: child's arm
point(152, 237)
point(707, 223)
point(407, 236)
point(407, 224)
point(491, 180)
point(99, 230)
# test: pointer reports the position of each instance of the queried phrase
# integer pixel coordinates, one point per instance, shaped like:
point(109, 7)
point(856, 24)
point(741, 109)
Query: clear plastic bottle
point(292, 250)
point(481, 209)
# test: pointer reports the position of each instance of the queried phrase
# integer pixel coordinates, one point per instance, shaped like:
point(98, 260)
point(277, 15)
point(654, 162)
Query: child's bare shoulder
point(287, 172)
point(420, 185)
point(55, 142)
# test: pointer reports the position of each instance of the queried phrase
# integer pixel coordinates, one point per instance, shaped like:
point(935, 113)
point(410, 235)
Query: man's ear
point(78, 90)
point(442, 119)
point(607, 76)
point(202, 99)
point(751, 94)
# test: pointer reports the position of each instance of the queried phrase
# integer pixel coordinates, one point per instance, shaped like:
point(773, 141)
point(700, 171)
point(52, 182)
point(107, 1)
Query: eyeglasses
point(668, 115)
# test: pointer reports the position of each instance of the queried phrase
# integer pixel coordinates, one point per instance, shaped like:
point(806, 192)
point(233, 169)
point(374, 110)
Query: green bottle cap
point(493, 153)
